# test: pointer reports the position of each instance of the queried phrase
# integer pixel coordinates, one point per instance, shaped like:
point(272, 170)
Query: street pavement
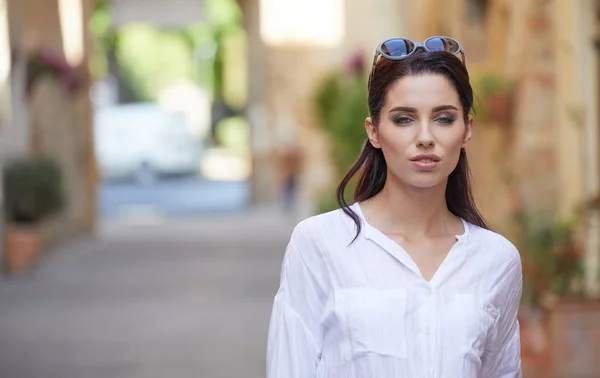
point(173, 197)
point(148, 298)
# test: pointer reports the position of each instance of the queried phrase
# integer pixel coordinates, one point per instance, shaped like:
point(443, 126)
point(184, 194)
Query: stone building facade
point(45, 117)
point(543, 154)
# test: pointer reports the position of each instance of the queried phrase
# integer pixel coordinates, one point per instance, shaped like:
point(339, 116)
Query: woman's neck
point(399, 209)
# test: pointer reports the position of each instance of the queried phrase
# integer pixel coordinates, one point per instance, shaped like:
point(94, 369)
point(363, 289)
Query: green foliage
point(224, 19)
point(153, 58)
point(486, 86)
point(488, 83)
point(234, 134)
point(33, 189)
point(149, 57)
point(224, 15)
point(328, 202)
point(100, 29)
point(341, 102)
point(235, 79)
point(551, 257)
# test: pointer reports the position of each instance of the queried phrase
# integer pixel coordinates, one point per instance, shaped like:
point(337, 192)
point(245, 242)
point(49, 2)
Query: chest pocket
point(374, 321)
point(470, 324)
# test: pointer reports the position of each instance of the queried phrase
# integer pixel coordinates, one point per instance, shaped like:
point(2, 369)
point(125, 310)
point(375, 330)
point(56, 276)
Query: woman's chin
point(426, 181)
point(420, 180)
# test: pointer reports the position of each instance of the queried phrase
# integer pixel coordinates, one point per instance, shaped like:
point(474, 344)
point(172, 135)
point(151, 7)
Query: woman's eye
point(445, 120)
point(402, 120)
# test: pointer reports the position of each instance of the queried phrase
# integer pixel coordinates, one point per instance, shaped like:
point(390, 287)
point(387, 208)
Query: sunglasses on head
point(402, 48)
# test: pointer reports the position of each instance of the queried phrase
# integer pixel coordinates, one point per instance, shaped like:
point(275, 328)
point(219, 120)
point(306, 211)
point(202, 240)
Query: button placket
point(430, 313)
point(427, 309)
point(432, 331)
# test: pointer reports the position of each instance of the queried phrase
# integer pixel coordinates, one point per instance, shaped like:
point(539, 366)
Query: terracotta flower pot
point(500, 108)
point(574, 328)
point(561, 338)
point(21, 248)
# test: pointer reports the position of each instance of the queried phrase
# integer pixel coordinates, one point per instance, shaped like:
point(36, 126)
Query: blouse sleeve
point(294, 340)
point(502, 358)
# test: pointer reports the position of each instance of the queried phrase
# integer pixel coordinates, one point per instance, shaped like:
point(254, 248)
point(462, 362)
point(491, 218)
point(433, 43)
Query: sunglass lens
point(397, 47)
point(442, 44)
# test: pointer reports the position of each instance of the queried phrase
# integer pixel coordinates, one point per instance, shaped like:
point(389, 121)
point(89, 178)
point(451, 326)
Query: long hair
point(371, 164)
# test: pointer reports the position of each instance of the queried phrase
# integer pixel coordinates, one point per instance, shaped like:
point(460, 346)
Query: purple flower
point(53, 63)
point(356, 63)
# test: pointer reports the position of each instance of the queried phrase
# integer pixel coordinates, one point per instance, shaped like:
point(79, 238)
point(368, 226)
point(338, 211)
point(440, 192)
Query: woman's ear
point(372, 132)
point(468, 132)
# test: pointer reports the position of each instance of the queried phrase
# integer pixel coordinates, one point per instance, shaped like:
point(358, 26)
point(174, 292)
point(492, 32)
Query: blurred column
point(569, 112)
point(497, 18)
point(292, 45)
point(577, 127)
point(589, 79)
point(286, 57)
point(516, 37)
point(5, 96)
point(257, 113)
point(5, 67)
point(84, 13)
point(30, 26)
point(46, 120)
point(300, 54)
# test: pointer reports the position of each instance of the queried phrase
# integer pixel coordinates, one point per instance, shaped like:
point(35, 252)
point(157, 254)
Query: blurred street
point(149, 150)
point(177, 298)
point(176, 196)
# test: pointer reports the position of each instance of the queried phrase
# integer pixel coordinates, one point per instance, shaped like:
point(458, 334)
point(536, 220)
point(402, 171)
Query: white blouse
point(363, 309)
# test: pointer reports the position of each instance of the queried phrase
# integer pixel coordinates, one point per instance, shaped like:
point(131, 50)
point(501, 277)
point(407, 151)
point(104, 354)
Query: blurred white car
point(143, 141)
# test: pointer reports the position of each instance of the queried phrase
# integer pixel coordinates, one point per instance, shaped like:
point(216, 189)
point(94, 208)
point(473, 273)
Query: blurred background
point(156, 155)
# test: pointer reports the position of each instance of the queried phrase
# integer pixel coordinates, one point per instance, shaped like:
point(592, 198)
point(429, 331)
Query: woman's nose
point(425, 139)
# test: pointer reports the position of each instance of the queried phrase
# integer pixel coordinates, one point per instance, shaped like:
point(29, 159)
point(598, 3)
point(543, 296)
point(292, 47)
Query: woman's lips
point(426, 161)
point(426, 165)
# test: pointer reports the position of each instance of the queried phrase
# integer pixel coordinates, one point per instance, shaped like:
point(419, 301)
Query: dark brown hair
point(371, 162)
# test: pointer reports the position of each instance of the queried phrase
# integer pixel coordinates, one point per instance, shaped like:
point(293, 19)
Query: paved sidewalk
point(164, 299)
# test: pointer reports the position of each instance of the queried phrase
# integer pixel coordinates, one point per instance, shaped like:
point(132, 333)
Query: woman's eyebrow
point(444, 107)
point(403, 109)
point(413, 110)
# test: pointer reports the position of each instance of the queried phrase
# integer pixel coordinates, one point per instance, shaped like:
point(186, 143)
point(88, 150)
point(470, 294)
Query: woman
point(408, 281)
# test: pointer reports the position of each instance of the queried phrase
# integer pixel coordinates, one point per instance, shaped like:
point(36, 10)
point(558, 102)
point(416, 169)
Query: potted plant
point(494, 101)
point(552, 266)
point(33, 191)
point(557, 318)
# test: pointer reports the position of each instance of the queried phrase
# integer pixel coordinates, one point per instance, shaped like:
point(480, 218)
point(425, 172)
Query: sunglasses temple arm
point(372, 68)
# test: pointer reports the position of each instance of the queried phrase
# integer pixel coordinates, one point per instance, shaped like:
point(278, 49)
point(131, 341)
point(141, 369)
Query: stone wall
point(535, 151)
point(549, 150)
point(516, 161)
point(57, 129)
point(47, 119)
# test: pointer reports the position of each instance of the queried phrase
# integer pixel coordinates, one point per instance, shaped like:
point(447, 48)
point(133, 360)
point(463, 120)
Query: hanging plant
point(494, 101)
point(341, 104)
point(51, 63)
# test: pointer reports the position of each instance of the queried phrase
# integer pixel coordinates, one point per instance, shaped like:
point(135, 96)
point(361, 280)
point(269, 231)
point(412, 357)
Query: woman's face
point(421, 130)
